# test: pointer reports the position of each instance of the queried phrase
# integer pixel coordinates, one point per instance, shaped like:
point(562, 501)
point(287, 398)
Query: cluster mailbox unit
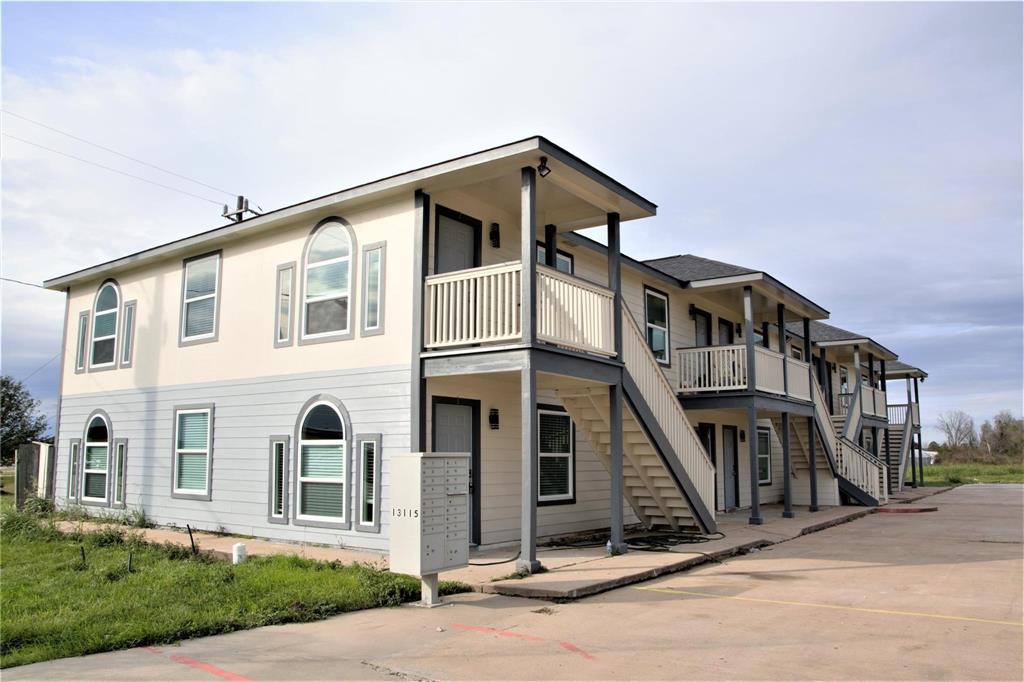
point(429, 516)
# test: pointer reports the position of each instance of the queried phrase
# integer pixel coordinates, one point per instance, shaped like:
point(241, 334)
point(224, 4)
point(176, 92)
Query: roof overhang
point(598, 193)
point(797, 305)
point(864, 344)
point(906, 372)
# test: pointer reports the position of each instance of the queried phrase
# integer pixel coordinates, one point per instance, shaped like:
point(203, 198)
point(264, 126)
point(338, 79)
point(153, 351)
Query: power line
point(41, 367)
point(28, 284)
point(114, 170)
point(114, 151)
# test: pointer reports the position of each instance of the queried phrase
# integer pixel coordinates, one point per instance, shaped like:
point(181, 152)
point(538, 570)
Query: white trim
point(192, 451)
point(342, 481)
point(361, 486)
point(347, 295)
point(120, 452)
point(274, 501)
point(185, 300)
point(648, 325)
point(570, 456)
point(766, 454)
point(85, 461)
point(116, 312)
point(368, 253)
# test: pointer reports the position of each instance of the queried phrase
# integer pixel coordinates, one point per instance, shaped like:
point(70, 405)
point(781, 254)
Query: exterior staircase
point(900, 446)
point(799, 445)
point(669, 477)
point(862, 476)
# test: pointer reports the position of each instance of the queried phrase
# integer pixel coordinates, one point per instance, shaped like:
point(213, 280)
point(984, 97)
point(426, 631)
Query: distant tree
point(19, 421)
point(933, 446)
point(1003, 436)
point(958, 427)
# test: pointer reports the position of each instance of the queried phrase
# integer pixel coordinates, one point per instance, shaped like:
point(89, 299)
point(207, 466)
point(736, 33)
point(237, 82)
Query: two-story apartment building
point(257, 377)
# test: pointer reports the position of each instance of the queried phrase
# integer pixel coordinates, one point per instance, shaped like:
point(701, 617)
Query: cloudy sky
point(868, 155)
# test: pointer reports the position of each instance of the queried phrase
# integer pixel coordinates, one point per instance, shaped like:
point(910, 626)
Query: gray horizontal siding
point(248, 413)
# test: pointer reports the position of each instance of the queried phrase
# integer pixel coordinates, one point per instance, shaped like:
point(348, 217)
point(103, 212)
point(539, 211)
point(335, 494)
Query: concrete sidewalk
point(571, 572)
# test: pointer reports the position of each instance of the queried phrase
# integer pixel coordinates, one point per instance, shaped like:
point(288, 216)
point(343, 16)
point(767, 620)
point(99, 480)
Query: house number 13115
point(405, 513)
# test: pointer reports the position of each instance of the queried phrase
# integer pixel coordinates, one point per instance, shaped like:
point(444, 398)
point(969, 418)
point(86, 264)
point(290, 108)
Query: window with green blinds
point(96, 459)
point(323, 461)
point(192, 452)
point(322, 468)
point(555, 454)
point(323, 499)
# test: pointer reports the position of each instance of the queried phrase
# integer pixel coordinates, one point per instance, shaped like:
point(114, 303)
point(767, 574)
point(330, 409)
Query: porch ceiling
point(765, 299)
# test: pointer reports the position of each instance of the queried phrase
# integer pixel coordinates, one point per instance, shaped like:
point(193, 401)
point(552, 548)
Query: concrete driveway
point(909, 596)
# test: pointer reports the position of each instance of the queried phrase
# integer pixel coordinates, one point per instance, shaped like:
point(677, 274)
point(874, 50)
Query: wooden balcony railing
point(873, 400)
point(898, 414)
point(724, 368)
point(482, 306)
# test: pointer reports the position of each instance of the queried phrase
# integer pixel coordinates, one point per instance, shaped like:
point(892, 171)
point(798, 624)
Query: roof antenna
point(241, 208)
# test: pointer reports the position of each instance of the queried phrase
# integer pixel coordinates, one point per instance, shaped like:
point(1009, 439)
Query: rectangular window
point(564, 262)
point(94, 481)
point(120, 459)
point(322, 481)
point(764, 456)
point(656, 313)
point(844, 380)
point(373, 288)
point(83, 341)
point(368, 472)
point(555, 456)
point(104, 336)
point(283, 313)
point(192, 428)
point(199, 298)
point(797, 352)
point(278, 479)
point(128, 334)
point(73, 471)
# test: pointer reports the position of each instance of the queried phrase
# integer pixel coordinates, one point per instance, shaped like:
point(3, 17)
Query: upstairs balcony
point(898, 414)
point(481, 307)
point(872, 400)
point(717, 369)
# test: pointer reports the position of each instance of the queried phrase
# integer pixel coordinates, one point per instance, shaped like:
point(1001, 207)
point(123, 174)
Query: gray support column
point(616, 542)
point(814, 465)
point(913, 465)
point(787, 461)
point(871, 370)
point(551, 246)
point(920, 459)
point(825, 378)
point(615, 280)
point(888, 463)
point(874, 441)
point(856, 389)
point(781, 312)
point(765, 336)
point(527, 562)
point(418, 384)
point(748, 332)
point(528, 254)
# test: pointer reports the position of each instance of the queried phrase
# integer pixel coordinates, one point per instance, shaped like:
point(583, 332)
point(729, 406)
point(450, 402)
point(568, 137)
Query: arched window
point(322, 464)
point(326, 309)
point(97, 458)
point(104, 325)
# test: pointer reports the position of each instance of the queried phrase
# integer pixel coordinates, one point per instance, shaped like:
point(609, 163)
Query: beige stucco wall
point(247, 290)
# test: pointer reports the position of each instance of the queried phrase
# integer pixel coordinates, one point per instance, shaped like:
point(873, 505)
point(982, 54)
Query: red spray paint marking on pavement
point(198, 665)
point(568, 646)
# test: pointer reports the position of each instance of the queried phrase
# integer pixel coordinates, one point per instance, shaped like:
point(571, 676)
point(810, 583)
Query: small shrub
point(38, 507)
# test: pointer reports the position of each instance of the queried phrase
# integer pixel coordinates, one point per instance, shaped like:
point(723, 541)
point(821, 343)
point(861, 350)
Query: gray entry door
point(453, 432)
point(731, 465)
point(456, 245)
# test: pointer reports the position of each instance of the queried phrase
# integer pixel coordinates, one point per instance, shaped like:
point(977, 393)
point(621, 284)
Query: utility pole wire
point(28, 284)
point(114, 170)
point(40, 367)
point(114, 151)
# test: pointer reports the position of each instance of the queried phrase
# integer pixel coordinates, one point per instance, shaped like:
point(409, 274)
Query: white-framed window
point(73, 471)
point(192, 432)
point(278, 477)
point(104, 326)
point(82, 347)
point(128, 334)
point(368, 514)
point(285, 305)
point(797, 352)
point(97, 460)
point(373, 288)
point(322, 467)
point(555, 452)
point(564, 262)
point(764, 456)
point(199, 299)
point(120, 460)
point(326, 309)
point(656, 315)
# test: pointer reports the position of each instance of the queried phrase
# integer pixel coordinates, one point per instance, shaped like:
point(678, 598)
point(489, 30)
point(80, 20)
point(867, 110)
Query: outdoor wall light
point(739, 329)
point(495, 235)
point(492, 418)
point(743, 436)
point(543, 167)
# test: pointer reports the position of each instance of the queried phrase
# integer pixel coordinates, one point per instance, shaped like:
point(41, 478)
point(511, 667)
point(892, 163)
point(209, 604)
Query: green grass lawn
point(55, 605)
point(7, 486)
point(952, 474)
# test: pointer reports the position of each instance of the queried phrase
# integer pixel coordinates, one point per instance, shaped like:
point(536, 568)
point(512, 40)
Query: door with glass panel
point(456, 241)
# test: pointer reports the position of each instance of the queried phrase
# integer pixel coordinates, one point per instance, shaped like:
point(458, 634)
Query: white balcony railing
point(482, 306)
point(873, 400)
point(574, 313)
point(724, 368)
point(898, 414)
